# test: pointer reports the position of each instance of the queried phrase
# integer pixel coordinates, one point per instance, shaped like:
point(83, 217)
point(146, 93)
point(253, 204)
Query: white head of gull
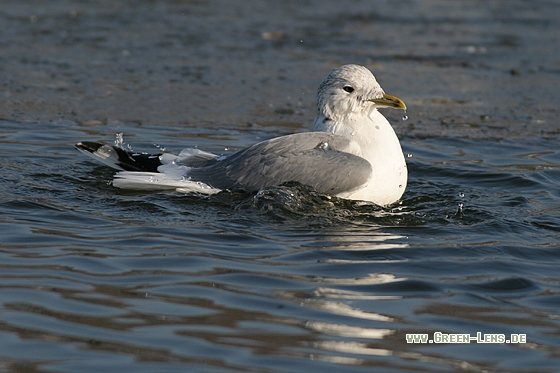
point(353, 152)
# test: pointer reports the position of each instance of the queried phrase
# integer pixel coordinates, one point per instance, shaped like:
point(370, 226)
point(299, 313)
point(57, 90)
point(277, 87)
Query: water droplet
point(409, 155)
point(119, 139)
point(160, 147)
point(226, 149)
point(405, 117)
point(461, 194)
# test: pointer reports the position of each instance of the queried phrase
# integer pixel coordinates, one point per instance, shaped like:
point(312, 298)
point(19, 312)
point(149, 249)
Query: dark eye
point(348, 89)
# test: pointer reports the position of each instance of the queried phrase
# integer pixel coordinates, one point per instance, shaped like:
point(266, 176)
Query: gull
point(352, 153)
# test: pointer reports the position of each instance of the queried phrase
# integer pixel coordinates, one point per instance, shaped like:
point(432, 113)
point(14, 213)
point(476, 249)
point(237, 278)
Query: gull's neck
point(364, 128)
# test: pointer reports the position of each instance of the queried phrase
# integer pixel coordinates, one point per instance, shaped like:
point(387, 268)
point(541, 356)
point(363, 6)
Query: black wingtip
point(118, 158)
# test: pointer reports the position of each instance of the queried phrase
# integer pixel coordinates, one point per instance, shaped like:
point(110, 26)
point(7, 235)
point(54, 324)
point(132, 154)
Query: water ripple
point(253, 282)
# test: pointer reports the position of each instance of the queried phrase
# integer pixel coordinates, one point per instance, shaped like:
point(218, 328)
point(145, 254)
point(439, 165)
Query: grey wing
point(314, 158)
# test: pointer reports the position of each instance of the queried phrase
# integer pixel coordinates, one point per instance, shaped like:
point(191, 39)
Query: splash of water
point(119, 142)
point(119, 139)
point(160, 147)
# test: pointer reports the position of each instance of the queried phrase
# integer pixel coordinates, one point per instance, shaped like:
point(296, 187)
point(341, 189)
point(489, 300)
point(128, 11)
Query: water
point(94, 278)
point(405, 116)
point(97, 279)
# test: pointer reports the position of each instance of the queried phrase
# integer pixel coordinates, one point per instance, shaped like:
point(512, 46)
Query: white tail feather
point(159, 181)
